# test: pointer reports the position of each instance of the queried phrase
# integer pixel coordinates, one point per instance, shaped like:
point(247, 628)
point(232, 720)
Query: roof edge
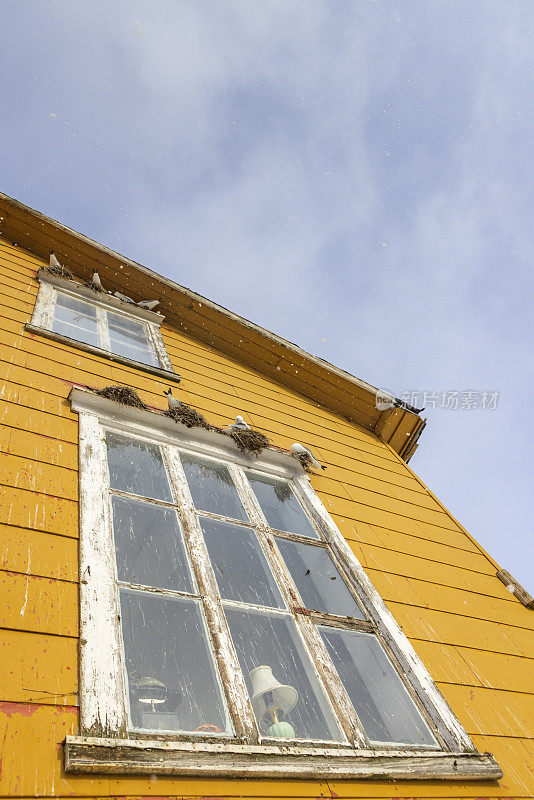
point(201, 318)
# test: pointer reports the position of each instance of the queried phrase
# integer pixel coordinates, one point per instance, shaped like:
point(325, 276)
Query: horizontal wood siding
point(476, 639)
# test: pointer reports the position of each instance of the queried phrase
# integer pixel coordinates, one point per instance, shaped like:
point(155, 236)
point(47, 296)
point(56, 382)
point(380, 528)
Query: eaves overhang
point(187, 311)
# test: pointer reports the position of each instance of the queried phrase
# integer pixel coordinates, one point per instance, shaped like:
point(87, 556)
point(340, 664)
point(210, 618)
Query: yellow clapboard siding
point(38, 668)
point(27, 287)
point(490, 712)
point(45, 554)
point(26, 509)
point(471, 667)
point(39, 447)
point(415, 566)
point(63, 428)
point(35, 389)
point(17, 299)
point(25, 473)
point(429, 594)
point(441, 626)
point(38, 730)
point(43, 605)
point(359, 534)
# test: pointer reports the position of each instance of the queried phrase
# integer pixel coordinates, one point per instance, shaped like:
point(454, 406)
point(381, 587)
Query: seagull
point(97, 283)
point(150, 304)
point(53, 260)
point(239, 425)
point(303, 453)
point(172, 402)
point(124, 298)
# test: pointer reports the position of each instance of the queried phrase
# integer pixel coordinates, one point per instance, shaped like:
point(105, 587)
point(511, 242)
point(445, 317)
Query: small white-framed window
point(99, 322)
point(223, 612)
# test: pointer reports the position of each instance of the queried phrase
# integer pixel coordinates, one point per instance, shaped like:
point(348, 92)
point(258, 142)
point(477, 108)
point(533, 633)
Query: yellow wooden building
point(182, 618)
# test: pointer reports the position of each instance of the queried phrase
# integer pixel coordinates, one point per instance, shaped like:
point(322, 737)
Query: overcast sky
point(355, 176)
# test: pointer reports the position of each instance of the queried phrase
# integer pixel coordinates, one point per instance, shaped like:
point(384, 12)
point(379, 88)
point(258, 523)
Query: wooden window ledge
point(224, 760)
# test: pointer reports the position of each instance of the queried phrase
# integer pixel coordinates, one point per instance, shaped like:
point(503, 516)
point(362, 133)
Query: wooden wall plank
point(38, 668)
point(43, 605)
point(27, 509)
point(38, 553)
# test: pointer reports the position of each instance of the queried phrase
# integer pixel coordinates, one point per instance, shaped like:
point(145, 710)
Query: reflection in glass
point(128, 338)
point(263, 639)
point(282, 510)
point(240, 567)
point(212, 488)
point(384, 706)
point(137, 466)
point(149, 545)
point(75, 319)
point(172, 683)
point(318, 580)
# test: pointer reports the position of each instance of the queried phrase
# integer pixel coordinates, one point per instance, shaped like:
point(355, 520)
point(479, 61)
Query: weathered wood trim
point(43, 310)
point(418, 676)
point(233, 685)
point(101, 298)
point(166, 374)
point(128, 756)
point(102, 703)
point(154, 424)
point(515, 588)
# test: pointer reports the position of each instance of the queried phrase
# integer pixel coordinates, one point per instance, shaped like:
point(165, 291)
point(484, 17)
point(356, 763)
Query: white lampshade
point(151, 691)
point(268, 693)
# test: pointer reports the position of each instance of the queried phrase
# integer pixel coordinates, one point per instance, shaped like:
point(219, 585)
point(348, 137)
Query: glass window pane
point(136, 466)
point(75, 319)
point(172, 683)
point(212, 487)
point(271, 641)
point(384, 706)
point(282, 510)
point(240, 567)
point(128, 338)
point(318, 579)
point(149, 545)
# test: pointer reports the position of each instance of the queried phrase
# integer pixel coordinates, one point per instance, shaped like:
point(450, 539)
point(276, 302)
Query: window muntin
point(385, 708)
point(170, 671)
point(171, 679)
point(95, 325)
point(280, 506)
point(151, 553)
point(266, 639)
point(239, 564)
point(315, 573)
point(212, 488)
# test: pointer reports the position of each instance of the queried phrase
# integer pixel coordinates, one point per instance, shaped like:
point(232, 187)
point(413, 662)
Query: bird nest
point(63, 272)
point(249, 441)
point(305, 461)
point(90, 285)
point(122, 394)
point(188, 416)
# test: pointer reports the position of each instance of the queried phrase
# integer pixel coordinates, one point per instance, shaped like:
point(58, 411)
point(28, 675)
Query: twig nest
point(305, 461)
point(63, 272)
point(250, 442)
point(122, 394)
point(188, 416)
point(93, 286)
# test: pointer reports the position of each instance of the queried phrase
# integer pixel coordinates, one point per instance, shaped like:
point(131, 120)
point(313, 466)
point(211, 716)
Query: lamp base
point(281, 730)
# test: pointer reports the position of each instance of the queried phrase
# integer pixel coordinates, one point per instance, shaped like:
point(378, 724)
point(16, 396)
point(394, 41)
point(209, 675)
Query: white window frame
point(43, 320)
point(106, 746)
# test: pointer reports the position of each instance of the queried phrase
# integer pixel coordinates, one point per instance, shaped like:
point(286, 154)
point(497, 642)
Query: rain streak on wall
point(475, 638)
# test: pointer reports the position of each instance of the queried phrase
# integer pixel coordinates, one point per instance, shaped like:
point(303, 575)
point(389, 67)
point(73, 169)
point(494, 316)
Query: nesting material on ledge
point(122, 394)
point(62, 272)
point(249, 441)
point(188, 416)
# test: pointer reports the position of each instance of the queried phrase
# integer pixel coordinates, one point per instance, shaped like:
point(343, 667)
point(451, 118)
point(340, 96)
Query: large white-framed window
point(226, 626)
point(99, 322)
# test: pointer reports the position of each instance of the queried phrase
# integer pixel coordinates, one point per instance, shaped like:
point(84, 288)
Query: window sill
point(166, 374)
point(134, 756)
